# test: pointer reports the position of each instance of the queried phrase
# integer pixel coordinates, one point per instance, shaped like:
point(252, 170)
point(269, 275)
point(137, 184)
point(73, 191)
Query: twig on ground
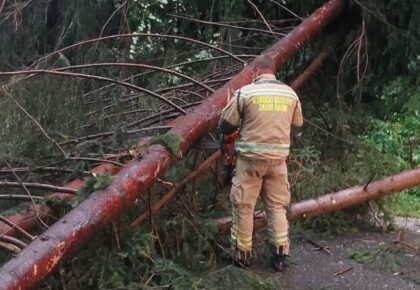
point(403, 272)
point(341, 272)
point(324, 249)
point(416, 249)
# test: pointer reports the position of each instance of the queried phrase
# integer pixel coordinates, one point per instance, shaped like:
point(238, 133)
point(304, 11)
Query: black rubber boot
point(279, 259)
point(242, 258)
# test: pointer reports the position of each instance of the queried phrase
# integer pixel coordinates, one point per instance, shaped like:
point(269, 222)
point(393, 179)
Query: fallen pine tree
point(32, 216)
point(339, 200)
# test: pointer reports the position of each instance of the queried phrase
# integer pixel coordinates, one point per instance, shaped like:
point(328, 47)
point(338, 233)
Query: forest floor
point(368, 259)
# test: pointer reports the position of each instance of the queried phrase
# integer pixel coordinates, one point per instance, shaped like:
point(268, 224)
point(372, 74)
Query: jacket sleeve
point(297, 120)
point(230, 113)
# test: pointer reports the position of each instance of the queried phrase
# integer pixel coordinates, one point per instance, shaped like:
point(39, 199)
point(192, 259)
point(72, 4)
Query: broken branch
point(37, 186)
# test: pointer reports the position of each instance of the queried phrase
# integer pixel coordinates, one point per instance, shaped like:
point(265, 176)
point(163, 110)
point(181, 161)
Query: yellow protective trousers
point(266, 178)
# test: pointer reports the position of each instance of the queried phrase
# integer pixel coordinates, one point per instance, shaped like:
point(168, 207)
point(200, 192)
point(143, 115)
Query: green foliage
point(138, 265)
point(406, 204)
point(398, 137)
point(397, 133)
point(177, 277)
point(124, 269)
point(94, 183)
point(151, 17)
point(235, 278)
point(170, 141)
point(401, 95)
point(362, 257)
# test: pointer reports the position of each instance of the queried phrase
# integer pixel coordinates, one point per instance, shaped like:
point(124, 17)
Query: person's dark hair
point(265, 64)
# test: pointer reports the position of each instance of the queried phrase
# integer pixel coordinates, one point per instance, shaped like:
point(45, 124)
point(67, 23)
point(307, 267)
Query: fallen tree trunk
point(309, 71)
point(341, 199)
point(66, 236)
point(27, 219)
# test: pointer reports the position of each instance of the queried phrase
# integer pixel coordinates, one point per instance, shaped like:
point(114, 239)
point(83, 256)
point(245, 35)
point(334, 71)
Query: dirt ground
point(369, 259)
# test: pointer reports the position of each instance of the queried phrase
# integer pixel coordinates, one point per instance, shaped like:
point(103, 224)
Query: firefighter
point(264, 113)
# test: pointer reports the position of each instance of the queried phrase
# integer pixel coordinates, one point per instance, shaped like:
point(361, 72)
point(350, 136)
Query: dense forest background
point(362, 110)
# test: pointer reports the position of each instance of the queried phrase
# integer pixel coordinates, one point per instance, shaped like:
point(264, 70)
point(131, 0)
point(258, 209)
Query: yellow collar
point(265, 77)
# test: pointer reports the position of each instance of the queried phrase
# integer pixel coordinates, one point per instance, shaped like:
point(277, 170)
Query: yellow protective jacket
point(264, 111)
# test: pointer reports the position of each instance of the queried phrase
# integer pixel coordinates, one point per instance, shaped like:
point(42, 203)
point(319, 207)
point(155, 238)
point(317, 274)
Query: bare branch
point(10, 247)
point(33, 120)
point(95, 160)
point(328, 132)
point(2, 5)
point(27, 185)
point(92, 77)
point(171, 66)
point(228, 25)
point(21, 184)
point(41, 168)
point(139, 65)
point(287, 9)
point(107, 134)
point(13, 241)
point(20, 197)
point(262, 17)
point(129, 35)
point(160, 115)
point(17, 227)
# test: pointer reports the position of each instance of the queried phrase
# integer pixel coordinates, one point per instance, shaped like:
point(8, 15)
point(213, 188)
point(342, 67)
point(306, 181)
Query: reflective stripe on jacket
point(250, 147)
